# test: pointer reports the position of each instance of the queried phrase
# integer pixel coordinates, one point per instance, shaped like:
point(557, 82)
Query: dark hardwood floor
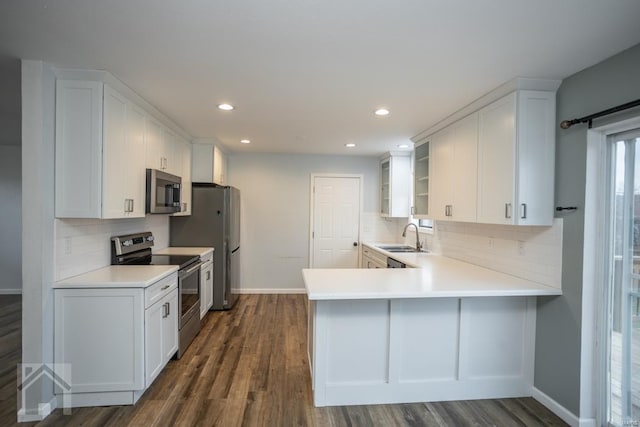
point(249, 367)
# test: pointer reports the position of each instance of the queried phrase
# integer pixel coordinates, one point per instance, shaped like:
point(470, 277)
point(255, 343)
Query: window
point(425, 223)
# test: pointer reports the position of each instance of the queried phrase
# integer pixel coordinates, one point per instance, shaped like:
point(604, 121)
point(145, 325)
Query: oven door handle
point(195, 267)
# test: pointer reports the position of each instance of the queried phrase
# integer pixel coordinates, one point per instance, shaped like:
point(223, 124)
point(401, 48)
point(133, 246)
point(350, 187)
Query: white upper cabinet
point(493, 161)
point(104, 141)
point(209, 164)
point(99, 152)
point(395, 171)
point(516, 159)
point(454, 154)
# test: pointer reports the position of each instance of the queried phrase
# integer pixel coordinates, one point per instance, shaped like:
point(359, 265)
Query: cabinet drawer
point(158, 290)
point(207, 258)
point(374, 255)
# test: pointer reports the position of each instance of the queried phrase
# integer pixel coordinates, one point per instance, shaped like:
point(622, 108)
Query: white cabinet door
point(155, 145)
point(454, 171)
point(161, 335)
point(209, 164)
point(395, 180)
point(123, 181)
point(100, 332)
point(153, 341)
point(442, 174)
point(496, 161)
point(172, 153)
point(219, 166)
point(135, 159)
point(465, 176)
point(535, 158)
point(170, 326)
point(78, 172)
point(114, 155)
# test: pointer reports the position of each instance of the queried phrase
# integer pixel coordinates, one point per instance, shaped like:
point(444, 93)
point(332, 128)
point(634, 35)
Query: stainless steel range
point(135, 249)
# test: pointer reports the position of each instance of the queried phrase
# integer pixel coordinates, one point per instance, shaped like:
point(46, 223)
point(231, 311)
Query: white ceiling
point(306, 75)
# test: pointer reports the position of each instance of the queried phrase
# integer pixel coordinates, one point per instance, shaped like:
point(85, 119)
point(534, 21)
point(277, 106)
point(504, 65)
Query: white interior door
point(335, 222)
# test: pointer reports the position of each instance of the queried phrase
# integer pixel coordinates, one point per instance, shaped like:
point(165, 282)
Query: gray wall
point(607, 84)
point(10, 176)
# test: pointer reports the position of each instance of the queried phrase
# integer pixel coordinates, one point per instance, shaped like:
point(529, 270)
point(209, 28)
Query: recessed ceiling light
point(226, 107)
point(382, 112)
point(403, 145)
point(245, 141)
point(350, 145)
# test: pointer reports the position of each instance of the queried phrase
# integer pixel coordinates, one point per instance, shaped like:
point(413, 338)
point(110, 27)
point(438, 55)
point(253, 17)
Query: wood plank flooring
point(248, 367)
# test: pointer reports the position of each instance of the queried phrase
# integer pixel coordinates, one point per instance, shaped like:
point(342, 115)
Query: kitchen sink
point(396, 248)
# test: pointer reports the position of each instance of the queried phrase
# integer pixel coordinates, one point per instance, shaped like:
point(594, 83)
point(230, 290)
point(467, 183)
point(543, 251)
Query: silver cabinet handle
point(164, 310)
point(507, 210)
point(413, 210)
point(164, 288)
point(523, 207)
point(168, 309)
point(450, 210)
point(208, 275)
point(131, 205)
point(126, 205)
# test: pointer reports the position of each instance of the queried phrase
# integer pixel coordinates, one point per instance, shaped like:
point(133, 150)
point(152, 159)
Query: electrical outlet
point(521, 247)
point(68, 246)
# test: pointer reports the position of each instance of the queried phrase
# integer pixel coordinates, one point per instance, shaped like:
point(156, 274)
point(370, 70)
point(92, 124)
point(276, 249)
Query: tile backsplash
point(378, 229)
point(84, 245)
point(533, 253)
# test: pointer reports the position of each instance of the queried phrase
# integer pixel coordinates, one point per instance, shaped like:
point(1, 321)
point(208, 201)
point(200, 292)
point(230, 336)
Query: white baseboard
point(270, 291)
point(10, 291)
point(44, 410)
point(562, 412)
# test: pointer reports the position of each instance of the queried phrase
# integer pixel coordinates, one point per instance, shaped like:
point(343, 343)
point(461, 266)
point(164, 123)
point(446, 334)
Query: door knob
point(355, 243)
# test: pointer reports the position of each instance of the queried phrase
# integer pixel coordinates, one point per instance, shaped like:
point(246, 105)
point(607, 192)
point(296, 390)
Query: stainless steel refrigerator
point(214, 222)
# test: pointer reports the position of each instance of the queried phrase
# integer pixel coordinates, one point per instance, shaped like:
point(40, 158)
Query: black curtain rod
point(566, 124)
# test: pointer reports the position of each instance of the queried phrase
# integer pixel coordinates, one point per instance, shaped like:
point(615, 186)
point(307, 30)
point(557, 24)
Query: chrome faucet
point(404, 234)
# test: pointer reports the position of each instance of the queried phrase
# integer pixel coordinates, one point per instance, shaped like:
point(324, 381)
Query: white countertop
point(435, 277)
point(119, 276)
point(175, 250)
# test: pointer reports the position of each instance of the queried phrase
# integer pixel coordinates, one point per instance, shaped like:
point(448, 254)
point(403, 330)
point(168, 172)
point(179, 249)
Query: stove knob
point(127, 243)
point(149, 238)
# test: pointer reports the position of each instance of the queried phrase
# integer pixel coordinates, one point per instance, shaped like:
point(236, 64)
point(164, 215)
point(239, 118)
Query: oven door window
point(190, 291)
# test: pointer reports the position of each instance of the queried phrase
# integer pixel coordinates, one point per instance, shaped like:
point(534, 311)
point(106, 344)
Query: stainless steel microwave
point(163, 192)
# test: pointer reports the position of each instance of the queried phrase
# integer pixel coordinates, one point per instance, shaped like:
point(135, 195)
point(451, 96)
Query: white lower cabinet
point(372, 258)
point(115, 340)
point(160, 335)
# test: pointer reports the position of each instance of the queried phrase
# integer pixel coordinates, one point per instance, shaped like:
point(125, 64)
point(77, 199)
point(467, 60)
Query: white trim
point(312, 179)
point(44, 410)
point(562, 412)
point(270, 291)
point(592, 362)
point(15, 291)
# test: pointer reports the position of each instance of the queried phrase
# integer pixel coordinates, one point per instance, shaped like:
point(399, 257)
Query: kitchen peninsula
point(446, 330)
